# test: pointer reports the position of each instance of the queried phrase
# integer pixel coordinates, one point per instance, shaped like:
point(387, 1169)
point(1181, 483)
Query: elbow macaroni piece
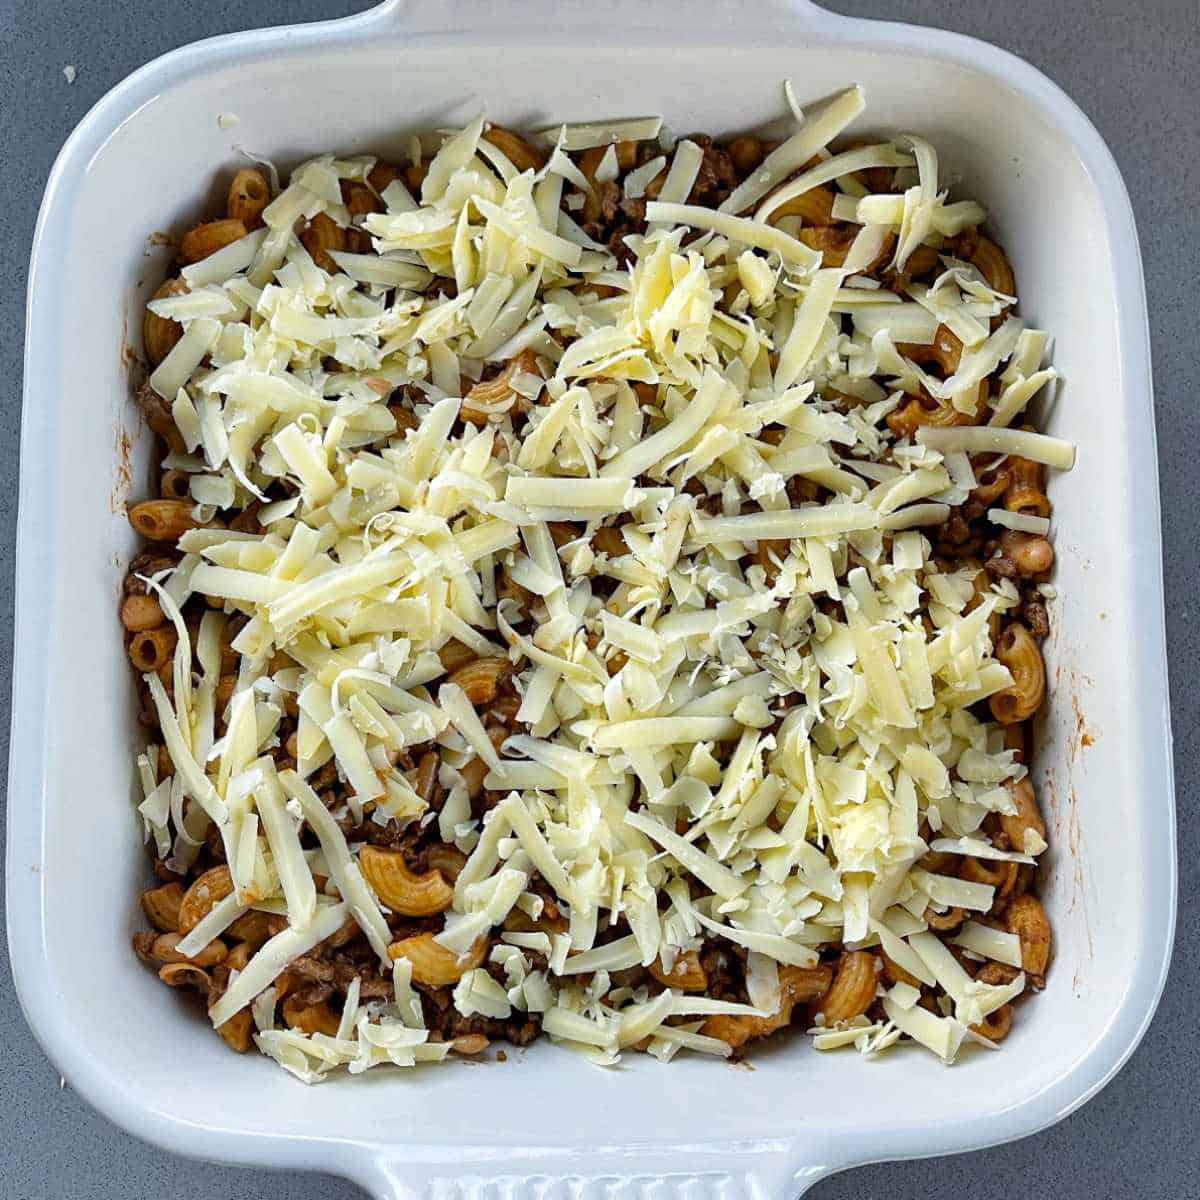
point(432, 963)
point(1027, 919)
point(496, 395)
point(686, 973)
point(797, 985)
point(1028, 817)
point(992, 263)
point(202, 240)
point(160, 334)
point(401, 889)
point(163, 520)
point(853, 989)
point(480, 679)
point(519, 152)
point(1020, 654)
point(199, 900)
point(249, 194)
point(814, 207)
point(1026, 490)
point(161, 906)
point(152, 649)
point(945, 352)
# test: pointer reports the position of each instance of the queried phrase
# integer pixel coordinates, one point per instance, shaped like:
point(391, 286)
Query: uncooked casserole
point(595, 589)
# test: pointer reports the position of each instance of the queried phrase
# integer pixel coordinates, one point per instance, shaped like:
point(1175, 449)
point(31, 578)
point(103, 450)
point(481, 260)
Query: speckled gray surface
point(1135, 71)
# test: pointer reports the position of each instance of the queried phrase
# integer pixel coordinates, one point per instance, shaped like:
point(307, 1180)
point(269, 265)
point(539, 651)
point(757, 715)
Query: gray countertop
point(1135, 71)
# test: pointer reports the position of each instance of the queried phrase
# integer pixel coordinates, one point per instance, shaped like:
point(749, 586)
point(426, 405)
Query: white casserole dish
point(548, 1123)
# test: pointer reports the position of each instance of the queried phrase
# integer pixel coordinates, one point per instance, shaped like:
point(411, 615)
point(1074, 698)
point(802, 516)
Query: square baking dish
point(548, 1123)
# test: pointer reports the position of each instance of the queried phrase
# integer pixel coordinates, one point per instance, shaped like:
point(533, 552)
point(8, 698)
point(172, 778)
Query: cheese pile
point(753, 746)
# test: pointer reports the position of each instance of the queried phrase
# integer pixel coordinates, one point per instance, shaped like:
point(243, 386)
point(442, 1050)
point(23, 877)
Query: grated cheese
point(740, 230)
point(982, 439)
point(1022, 522)
point(272, 959)
point(988, 942)
point(343, 866)
point(820, 126)
point(586, 134)
point(748, 715)
point(942, 1035)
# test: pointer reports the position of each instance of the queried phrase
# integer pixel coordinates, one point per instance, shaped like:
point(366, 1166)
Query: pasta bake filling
point(596, 590)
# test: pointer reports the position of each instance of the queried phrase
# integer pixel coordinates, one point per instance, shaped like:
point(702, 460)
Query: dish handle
point(768, 1170)
point(512, 16)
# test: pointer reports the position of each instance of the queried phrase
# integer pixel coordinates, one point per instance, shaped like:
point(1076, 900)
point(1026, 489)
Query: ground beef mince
point(724, 964)
point(445, 1022)
point(717, 176)
point(1034, 615)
